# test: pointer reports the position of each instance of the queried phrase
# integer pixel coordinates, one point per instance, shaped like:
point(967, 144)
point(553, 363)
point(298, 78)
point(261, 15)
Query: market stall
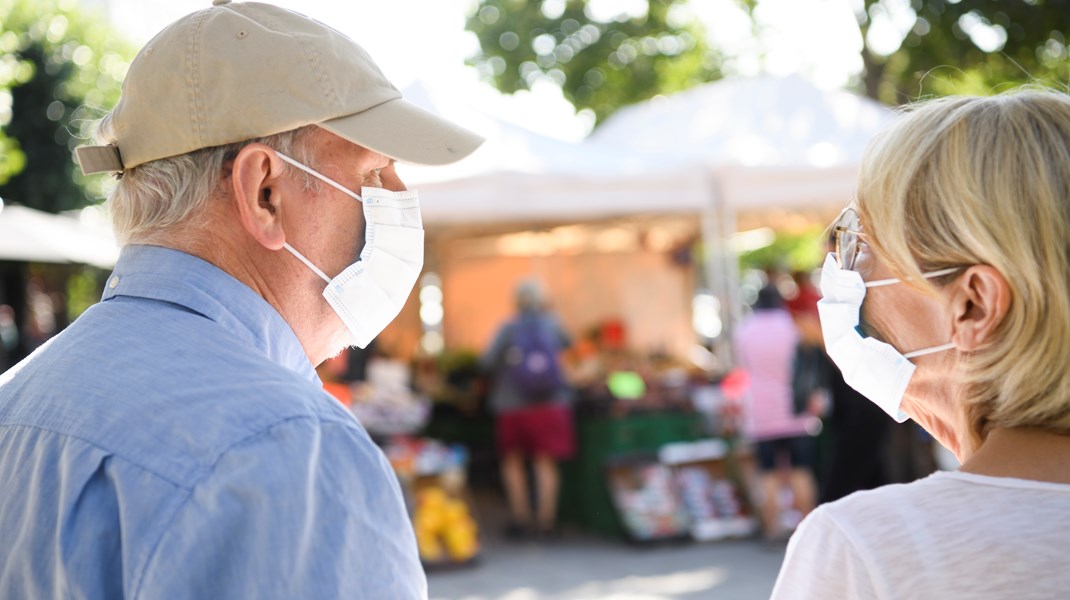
point(378, 389)
point(633, 226)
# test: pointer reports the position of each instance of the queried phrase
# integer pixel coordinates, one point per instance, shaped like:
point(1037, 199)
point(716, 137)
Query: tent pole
point(718, 226)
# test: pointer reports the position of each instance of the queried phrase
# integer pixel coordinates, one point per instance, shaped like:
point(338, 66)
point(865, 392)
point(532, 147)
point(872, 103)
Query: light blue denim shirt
point(175, 442)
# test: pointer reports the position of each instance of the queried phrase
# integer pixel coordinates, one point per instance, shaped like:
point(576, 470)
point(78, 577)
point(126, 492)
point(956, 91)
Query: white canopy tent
point(520, 176)
point(768, 141)
point(35, 236)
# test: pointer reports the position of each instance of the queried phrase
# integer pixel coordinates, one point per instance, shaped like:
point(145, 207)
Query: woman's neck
point(1024, 453)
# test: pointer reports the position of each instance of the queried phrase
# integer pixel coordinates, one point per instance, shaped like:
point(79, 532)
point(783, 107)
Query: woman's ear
point(255, 184)
point(980, 300)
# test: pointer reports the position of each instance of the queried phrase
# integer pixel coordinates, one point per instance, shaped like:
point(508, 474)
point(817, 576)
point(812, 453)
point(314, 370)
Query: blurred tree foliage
point(59, 68)
point(799, 251)
point(946, 47)
point(600, 65)
point(964, 46)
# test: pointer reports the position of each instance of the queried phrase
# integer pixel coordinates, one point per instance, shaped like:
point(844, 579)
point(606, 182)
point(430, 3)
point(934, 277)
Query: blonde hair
point(964, 181)
point(153, 198)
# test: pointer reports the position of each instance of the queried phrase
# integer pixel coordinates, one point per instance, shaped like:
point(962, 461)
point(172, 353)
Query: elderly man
point(174, 442)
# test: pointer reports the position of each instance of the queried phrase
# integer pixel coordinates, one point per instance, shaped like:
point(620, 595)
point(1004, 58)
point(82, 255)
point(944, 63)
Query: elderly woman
point(959, 245)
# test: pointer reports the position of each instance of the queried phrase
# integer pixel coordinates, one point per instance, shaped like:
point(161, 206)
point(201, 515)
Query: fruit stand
point(434, 481)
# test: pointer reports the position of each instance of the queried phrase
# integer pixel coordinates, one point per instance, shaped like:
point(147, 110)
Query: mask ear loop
point(925, 351)
point(883, 282)
point(329, 182)
point(321, 177)
point(307, 262)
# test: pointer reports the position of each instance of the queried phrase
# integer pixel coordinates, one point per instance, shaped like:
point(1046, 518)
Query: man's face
point(334, 222)
point(327, 225)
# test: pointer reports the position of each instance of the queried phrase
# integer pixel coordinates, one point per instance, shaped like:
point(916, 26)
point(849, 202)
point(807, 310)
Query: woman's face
point(911, 319)
point(900, 314)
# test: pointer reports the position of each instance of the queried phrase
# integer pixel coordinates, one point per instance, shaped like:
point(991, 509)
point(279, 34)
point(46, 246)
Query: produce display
point(433, 477)
point(715, 506)
point(648, 503)
point(445, 529)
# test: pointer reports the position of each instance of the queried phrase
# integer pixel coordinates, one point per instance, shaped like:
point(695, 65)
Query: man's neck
point(272, 278)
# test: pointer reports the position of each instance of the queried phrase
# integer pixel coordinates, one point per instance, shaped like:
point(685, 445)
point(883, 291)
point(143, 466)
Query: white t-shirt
point(950, 535)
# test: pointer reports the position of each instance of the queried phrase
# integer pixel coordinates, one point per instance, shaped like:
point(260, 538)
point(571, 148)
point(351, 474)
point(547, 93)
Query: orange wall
point(651, 295)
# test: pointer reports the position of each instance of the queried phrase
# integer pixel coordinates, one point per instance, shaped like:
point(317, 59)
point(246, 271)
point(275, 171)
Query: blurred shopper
point(175, 442)
point(9, 336)
point(810, 385)
point(947, 301)
point(860, 441)
point(804, 302)
point(859, 432)
point(765, 346)
point(531, 400)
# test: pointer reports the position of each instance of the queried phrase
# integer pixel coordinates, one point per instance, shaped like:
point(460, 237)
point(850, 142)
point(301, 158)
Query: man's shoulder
point(172, 404)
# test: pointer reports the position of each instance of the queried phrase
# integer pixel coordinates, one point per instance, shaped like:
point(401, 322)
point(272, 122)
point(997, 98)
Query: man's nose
point(389, 179)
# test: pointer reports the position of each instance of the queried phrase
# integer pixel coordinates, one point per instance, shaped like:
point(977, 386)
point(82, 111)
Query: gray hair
point(529, 295)
point(150, 199)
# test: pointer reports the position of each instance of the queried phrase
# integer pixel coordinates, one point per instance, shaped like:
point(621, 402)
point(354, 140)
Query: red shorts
point(538, 429)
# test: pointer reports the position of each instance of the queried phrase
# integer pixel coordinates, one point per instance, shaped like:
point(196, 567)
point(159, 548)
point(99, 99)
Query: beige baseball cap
point(242, 70)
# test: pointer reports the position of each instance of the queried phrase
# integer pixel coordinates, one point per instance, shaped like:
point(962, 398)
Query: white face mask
point(370, 293)
point(872, 367)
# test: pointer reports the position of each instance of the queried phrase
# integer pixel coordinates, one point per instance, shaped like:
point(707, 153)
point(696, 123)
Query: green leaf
point(62, 68)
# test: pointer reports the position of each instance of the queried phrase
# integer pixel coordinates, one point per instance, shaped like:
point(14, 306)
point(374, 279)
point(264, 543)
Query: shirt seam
point(109, 451)
point(140, 578)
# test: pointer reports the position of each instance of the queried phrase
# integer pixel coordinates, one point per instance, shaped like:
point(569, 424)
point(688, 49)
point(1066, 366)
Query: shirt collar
point(173, 276)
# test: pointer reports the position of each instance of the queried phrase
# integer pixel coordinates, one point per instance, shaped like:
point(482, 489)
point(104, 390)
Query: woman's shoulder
point(945, 502)
point(933, 538)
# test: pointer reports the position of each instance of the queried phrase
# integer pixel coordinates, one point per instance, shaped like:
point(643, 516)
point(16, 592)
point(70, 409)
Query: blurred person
point(9, 336)
point(41, 322)
point(804, 302)
point(946, 302)
point(765, 343)
point(810, 387)
point(175, 442)
point(530, 399)
point(859, 433)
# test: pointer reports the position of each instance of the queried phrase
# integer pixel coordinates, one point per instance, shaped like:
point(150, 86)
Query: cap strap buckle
point(99, 159)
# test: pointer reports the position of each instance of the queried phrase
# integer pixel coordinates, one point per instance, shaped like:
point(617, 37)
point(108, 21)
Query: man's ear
point(255, 179)
point(980, 300)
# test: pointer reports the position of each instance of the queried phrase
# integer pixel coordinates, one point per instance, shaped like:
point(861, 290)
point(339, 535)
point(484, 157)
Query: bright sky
point(425, 40)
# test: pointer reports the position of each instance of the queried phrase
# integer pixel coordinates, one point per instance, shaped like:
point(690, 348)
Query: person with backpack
point(530, 398)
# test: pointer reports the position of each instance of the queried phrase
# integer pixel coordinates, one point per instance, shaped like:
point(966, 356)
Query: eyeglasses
point(849, 238)
point(851, 241)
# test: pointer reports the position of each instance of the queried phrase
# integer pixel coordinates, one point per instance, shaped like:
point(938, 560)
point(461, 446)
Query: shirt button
point(114, 282)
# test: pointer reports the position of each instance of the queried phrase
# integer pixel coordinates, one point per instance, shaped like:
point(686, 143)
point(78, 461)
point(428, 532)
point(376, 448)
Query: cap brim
point(407, 133)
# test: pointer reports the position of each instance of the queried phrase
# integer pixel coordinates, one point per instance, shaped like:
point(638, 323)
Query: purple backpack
point(531, 360)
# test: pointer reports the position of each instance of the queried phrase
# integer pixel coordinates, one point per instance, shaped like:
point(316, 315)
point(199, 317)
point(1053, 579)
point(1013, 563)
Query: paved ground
point(585, 568)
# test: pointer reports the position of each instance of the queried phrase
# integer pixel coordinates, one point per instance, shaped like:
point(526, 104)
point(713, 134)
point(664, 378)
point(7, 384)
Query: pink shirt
point(765, 346)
